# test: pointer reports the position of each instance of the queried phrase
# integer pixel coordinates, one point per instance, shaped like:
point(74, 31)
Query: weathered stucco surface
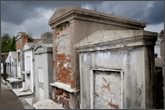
point(70, 26)
point(28, 71)
point(107, 89)
point(129, 51)
point(43, 70)
point(126, 60)
point(21, 40)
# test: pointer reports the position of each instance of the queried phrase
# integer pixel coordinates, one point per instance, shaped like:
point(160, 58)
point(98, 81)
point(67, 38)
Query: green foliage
point(8, 43)
point(30, 38)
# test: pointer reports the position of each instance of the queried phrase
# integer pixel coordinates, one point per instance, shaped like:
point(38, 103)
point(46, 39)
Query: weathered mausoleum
point(43, 54)
point(117, 70)
point(70, 26)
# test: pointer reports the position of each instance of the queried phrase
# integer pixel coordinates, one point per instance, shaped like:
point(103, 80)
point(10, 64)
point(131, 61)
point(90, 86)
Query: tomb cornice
point(141, 38)
point(94, 16)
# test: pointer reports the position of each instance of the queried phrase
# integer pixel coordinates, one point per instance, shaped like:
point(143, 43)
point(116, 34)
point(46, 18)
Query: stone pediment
point(65, 14)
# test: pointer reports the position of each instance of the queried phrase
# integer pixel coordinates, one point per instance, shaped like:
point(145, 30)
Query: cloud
point(9, 28)
point(155, 28)
point(156, 13)
point(17, 12)
point(33, 16)
point(34, 25)
point(92, 5)
point(150, 12)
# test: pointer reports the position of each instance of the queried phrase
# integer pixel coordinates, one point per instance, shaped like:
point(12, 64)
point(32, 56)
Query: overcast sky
point(32, 16)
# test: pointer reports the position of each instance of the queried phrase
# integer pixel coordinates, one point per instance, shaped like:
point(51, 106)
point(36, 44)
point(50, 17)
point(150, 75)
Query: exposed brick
point(60, 57)
point(63, 71)
point(73, 83)
point(22, 41)
point(62, 65)
point(62, 97)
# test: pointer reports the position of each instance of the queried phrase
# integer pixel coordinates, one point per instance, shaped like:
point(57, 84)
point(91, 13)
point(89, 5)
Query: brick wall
point(21, 41)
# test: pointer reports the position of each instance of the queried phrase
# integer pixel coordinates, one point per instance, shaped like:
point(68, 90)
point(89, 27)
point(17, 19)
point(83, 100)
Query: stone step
point(47, 104)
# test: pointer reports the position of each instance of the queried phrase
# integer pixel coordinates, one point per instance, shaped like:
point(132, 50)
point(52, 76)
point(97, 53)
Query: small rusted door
point(107, 90)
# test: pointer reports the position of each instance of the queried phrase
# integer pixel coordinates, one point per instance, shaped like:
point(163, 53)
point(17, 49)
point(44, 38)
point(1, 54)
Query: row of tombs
point(90, 60)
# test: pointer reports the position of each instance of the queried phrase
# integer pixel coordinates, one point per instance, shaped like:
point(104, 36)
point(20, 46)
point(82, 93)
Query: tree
point(30, 38)
point(8, 43)
point(13, 44)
